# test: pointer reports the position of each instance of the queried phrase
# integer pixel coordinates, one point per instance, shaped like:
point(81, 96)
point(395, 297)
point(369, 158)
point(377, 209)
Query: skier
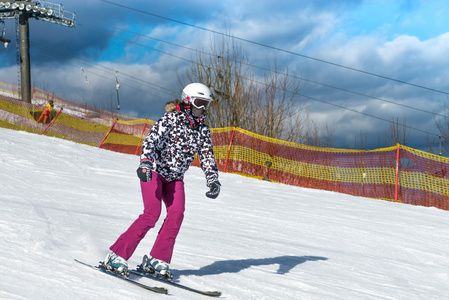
point(46, 112)
point(167, 153)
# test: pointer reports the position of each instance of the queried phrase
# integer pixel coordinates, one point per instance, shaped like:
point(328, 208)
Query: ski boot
point(116, 264)
point(156, 267)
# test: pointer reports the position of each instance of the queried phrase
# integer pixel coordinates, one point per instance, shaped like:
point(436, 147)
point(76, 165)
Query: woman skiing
point(167, 153)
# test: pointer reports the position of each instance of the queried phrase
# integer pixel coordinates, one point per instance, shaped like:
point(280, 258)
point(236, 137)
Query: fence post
point(140, 140)
point(397, 174)
point(229, 149)
point(110, 129)
point(51, 122)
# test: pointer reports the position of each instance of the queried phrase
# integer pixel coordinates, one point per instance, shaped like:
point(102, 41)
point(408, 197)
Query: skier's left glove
point(214, 190)
point(144, 171)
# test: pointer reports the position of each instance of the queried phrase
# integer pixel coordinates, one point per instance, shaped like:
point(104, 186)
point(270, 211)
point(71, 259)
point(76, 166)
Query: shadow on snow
point(286, 263)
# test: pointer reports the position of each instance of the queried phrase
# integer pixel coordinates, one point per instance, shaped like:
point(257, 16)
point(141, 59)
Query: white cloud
point(313, 28)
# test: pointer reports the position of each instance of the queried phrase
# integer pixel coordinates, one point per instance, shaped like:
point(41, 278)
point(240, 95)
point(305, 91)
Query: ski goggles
point(200, 103)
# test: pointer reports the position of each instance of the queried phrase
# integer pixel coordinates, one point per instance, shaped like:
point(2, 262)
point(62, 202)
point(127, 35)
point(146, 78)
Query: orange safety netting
point(396, 173)
point(419, 178)
point(127, 136)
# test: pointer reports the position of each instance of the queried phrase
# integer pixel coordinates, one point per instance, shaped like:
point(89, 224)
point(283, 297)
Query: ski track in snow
point(258, 240)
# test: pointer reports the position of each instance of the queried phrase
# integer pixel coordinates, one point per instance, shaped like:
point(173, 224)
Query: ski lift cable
point(261, 68)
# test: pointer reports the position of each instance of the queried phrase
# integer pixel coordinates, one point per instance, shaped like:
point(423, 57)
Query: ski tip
point(157, 289)
point(161, 290)
point(214, 293)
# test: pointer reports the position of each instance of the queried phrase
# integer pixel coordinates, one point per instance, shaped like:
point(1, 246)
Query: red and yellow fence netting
point(127, 136)
point(396, 173)
point(18, 115)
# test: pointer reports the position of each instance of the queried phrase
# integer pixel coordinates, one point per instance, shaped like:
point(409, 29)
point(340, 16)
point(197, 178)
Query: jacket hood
point(172, 106)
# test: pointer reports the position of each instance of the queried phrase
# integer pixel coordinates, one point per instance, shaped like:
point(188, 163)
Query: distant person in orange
point(46, 112)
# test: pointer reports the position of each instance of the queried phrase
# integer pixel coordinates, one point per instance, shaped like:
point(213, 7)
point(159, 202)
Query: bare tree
point(268, 104)
point(397, 133)
point(443, 128)
point(361, 144)
point(315, 136)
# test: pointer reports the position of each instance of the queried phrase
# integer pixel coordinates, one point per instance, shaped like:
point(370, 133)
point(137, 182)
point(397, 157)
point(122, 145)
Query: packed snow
point(258, 240)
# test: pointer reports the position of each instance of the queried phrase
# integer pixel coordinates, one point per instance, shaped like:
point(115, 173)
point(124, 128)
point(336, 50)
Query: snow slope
point(258, 240)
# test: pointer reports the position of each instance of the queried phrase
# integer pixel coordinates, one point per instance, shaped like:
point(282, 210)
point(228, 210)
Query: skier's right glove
point(144, 171)
point(214, 190)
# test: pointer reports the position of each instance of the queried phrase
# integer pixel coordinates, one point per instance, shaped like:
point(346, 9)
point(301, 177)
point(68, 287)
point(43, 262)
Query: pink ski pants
point(153, 193)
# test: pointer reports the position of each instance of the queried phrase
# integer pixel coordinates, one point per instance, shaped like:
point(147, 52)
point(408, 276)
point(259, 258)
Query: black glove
point(214, 190)
point(144, 171)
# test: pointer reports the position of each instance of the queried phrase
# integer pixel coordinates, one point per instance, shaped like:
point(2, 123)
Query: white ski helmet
point(198, 97)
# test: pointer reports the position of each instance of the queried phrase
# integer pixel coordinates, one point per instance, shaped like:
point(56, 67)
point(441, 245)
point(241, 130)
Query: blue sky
point(423, 19)
point(403, 40)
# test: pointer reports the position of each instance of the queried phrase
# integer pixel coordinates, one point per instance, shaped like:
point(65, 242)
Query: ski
point(140, 272)
point(159, 290)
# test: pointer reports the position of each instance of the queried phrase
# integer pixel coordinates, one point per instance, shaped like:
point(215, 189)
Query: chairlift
point(2, 38)
point(117, 86)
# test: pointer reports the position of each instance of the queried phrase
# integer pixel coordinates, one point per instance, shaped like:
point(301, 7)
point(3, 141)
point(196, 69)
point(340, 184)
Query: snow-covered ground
point(258, 240)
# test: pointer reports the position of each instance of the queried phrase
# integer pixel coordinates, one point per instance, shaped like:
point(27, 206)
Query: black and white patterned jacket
point(173, 142)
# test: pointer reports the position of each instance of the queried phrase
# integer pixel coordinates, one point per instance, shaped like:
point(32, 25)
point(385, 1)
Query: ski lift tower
point(23, 11)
